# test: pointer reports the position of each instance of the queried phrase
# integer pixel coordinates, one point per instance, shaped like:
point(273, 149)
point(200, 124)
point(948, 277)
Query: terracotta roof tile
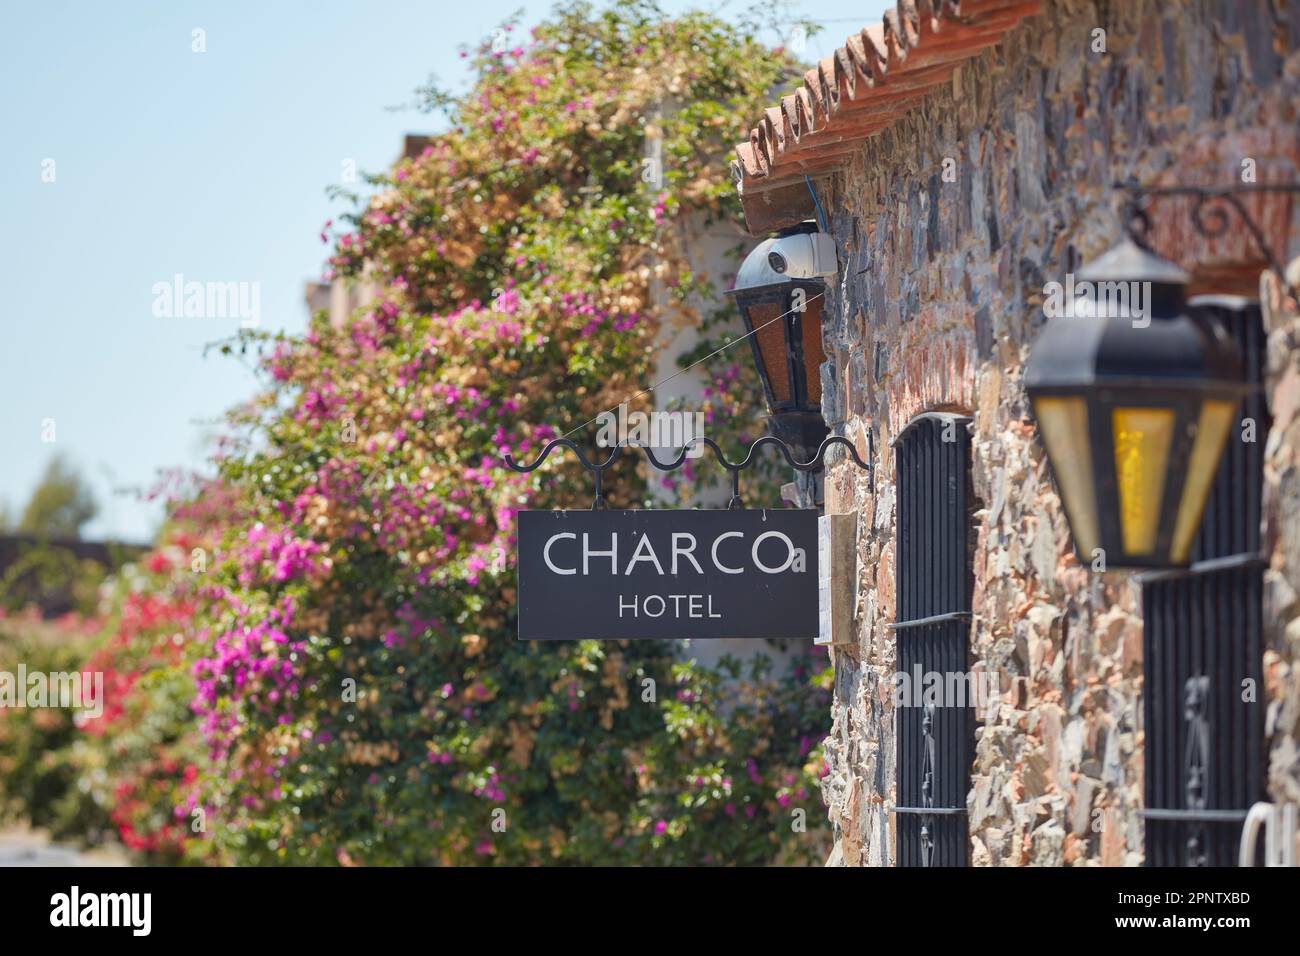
point(865, 86)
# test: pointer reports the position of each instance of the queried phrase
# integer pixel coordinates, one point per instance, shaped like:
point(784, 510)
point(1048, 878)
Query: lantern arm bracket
point(598, 469)
point(1208, 214)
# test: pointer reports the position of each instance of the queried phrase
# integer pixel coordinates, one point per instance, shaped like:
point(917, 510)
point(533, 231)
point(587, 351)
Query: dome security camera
point(805, 255)
point(798, 256)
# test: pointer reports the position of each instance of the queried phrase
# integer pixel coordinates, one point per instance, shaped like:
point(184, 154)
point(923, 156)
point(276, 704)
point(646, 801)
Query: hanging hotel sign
point(615, 575)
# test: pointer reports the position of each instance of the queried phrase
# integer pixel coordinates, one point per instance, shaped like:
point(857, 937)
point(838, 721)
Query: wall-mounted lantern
point(780, 291)
point(1135, 396)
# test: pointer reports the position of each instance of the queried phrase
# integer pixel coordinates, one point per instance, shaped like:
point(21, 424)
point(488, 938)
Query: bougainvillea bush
point(362, 693)
point(357, 692)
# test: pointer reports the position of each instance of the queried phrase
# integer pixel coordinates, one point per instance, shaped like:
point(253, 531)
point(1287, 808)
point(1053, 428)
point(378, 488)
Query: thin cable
point(821, 216)
point(691, 366)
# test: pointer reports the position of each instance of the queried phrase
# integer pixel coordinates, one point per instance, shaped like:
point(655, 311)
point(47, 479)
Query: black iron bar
point(1205, 757)
point(934, 743)
point(598, 469)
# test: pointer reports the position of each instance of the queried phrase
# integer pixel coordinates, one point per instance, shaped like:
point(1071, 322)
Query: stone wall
point(939, 298)
point(1281, 504)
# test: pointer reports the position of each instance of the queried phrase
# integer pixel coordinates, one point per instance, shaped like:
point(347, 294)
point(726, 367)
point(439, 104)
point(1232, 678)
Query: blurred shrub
point(38, 781)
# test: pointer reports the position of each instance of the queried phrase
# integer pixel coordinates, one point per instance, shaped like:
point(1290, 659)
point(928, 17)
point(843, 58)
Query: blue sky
point(213, 165)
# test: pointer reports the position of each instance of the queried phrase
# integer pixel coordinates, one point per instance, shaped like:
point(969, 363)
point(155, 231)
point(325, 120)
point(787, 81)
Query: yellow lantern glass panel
point(1211, 434)
point(1063, 423)
point(1142, 440)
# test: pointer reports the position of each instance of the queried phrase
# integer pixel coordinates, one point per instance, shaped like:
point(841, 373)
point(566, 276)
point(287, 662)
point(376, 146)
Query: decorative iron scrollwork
point(1210, 214)
point(927, 786)
point(598, 469)
point(1196, 763)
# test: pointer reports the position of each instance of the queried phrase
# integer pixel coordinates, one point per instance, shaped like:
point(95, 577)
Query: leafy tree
point(60, 505)
point(45, 574)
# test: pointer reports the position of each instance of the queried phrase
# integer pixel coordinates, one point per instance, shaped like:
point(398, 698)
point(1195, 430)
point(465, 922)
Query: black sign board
point(615, 575)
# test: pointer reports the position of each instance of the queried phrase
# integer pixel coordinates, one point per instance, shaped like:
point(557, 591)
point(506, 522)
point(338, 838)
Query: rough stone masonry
point(937, 304)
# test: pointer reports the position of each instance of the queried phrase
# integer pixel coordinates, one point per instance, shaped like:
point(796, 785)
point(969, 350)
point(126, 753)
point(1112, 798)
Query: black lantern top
point(1142, 330)
point(1135, 395)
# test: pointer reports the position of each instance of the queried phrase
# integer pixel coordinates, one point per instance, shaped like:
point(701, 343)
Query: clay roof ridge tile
point(775, 125)
point(743, 166)
point(895, 40)
point(830, 84)
point(862, 57)
point(910, 20)
point(847, 70)
point(869, 82)
point(790, 115)
point(759, 147)
point(805, 113)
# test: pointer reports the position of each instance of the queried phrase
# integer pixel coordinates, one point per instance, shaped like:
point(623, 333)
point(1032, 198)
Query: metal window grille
point(934, 581)
point(1203, 643)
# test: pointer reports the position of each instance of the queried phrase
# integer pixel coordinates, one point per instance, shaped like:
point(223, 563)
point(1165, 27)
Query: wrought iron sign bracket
point(598, 468)
point(1209, 216)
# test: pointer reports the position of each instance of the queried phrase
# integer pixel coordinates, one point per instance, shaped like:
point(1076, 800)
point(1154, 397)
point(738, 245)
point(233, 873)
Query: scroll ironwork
point(598, 468)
